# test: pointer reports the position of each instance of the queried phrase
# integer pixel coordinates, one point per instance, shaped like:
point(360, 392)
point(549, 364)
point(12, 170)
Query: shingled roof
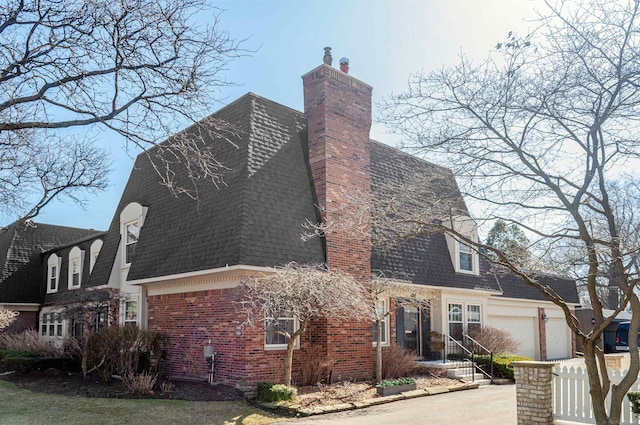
point(256, 217)
point(21, 246)
point(423, 259)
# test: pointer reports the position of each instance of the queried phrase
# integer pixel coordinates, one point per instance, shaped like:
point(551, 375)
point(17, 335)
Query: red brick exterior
point(338, 111)
point(542, 330)
point(25, 320)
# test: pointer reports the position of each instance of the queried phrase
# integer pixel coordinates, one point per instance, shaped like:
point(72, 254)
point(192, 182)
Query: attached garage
point(522, 329)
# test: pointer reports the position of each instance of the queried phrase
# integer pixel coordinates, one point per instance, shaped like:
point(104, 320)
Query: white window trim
point(75, 255)
point(94, 250)
point(124, 240)
point(475, 263)
point(274, 347)
point(385, 322)
point(60, 322)
point(465, 314)
point(56, 261)
point(123, 311)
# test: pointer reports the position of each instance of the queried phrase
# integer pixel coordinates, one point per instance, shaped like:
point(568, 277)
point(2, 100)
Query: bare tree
point(544, 131)
point(138, 68)
point(306, 293)
point(7, 317)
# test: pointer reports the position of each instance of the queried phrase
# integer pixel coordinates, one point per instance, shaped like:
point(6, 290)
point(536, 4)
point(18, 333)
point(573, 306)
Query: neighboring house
point(22, 266)
point(179, 262)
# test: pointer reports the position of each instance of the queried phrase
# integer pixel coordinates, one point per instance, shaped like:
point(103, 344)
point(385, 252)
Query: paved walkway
point(492, 405)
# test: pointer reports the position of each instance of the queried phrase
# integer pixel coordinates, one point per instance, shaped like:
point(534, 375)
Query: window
point(130, 309)
point(96, 246)
point(474, 321)
point(75, 268)
point(382, 310)
point(132, 231)
point(276, 330)
point(466, 257)
point(99, 320)
point(51, 325)
point(53, 273)
point(456, 325)
point(77, 326)
point(464, 321)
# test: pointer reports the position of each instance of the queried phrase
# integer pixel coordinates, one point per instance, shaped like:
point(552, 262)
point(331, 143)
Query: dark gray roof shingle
point(21, 245)
point(254, 219)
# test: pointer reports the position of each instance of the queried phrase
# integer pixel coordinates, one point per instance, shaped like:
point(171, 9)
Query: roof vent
point(328, 59)
point(344, 65)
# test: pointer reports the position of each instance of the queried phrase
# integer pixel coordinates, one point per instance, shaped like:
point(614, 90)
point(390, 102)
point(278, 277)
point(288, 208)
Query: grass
point(23, 407)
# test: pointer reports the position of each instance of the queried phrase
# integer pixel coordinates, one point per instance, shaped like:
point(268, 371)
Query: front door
point(412, 327)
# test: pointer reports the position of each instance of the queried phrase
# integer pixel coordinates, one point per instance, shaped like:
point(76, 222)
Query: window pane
point(455, 331)
point(132, 232)
point(473, 313)
point(131, 311)
point(455, 312)
point(274, 330)
point(466, 261)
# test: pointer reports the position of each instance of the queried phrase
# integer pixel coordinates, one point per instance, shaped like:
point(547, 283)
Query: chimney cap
point(327, 59)
point(344, 61)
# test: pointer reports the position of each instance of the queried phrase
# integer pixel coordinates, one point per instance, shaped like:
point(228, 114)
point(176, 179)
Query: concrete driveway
point(492, 405)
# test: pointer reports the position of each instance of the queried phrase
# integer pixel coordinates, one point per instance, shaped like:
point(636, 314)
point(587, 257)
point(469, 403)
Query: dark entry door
point(412, 327)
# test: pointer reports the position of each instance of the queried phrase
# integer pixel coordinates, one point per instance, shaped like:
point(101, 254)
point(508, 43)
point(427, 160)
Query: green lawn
point(22, 407)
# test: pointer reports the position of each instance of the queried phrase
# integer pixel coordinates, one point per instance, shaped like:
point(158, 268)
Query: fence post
point(534, 392)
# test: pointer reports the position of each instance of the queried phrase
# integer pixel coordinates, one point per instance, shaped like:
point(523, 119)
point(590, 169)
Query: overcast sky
point(385, 41)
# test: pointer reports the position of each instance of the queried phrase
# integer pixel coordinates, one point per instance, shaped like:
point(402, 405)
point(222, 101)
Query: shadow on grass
point(23, 407)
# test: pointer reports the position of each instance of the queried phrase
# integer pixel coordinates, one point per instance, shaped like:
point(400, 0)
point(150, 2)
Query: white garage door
point(558, 340)
point(522, 329)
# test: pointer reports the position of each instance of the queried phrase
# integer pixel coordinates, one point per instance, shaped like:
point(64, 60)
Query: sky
point(385, 41)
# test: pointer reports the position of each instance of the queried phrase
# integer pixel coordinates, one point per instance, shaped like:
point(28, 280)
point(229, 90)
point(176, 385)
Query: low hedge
point(501, 364)
point(275, 392)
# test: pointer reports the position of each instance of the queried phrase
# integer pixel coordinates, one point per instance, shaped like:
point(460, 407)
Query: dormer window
point(53, 273)
point(463, 255)
point(131, 222)
point(96, 246)
point(132, 231)
point(466, 257)
point(75, 268)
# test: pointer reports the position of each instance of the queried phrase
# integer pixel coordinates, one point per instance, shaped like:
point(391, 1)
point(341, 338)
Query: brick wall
point(338, 112)
point(192, 319)
point(25, 320)
point(542, 331)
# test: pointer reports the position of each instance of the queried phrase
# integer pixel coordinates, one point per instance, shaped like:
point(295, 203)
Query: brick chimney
point(338, 111)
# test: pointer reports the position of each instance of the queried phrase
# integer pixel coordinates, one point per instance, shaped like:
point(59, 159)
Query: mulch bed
point(73, 384)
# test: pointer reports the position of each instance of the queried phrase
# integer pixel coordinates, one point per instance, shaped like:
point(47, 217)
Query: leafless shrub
point(397, 362)
point(139, 383)
point(496, 340)
point(7, 317)
point(30, 340)
point(315, 367)
point(167, 387)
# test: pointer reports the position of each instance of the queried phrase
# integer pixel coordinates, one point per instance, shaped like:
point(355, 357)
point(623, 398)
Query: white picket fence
point(572, 401)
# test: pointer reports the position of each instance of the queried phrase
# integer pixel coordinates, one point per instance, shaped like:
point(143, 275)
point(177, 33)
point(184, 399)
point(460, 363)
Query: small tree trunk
point(288, 360)
point(379, 350)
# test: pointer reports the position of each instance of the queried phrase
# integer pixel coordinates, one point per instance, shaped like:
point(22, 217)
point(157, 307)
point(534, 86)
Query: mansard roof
point(21, 246)
point(255, 218)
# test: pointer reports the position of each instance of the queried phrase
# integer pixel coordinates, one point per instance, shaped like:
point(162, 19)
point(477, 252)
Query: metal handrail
point(486, 351)
point(470, 354)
